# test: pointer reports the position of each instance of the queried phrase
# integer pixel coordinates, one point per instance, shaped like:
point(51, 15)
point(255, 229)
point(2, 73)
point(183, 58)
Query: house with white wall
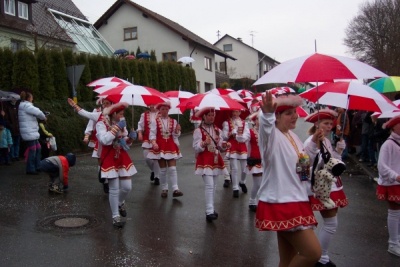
point(251, 63)
point(35, 24)
point(127, 25)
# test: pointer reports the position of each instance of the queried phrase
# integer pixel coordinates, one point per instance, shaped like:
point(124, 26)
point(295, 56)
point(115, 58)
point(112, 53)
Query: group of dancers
point(279, 162)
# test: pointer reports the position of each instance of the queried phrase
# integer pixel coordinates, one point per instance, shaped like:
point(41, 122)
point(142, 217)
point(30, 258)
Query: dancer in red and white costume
point(283, 204)
point(237, 153)
point(323, 122)
point(254, 166)
point(146, 119)
point(164, 133)
point(117, 167)
point(389, 182)
point(207, 144)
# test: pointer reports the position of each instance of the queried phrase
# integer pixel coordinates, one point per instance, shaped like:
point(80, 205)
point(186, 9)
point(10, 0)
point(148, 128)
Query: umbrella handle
point(345, 113)
point(133, 114)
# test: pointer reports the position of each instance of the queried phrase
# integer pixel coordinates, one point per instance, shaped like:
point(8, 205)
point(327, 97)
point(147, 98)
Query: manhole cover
point(68, 223)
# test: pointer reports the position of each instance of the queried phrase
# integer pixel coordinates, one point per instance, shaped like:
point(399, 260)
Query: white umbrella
point(186, 60)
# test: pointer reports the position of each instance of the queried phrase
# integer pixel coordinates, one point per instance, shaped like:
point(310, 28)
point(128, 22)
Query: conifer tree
point(126, 72)
point(60, 79)
point(108, 72)
point(154, 74)
point(85, 93)
point(25, 72)
point(96, 67)
point(162, 77)
point(143, 78)
point(134, 70)
point(6, 69)
point(46, 77)
point(117, 67)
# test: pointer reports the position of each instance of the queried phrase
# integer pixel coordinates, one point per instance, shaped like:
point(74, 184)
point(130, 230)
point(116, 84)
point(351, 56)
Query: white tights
point(325, 236)
point(173, 177)
point(254, 190)
point(210, 182)
point(119, 190)
point(235, 172)
point(151, 163)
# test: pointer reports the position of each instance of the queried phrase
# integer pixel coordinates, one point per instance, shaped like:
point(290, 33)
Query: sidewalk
point(371, 172)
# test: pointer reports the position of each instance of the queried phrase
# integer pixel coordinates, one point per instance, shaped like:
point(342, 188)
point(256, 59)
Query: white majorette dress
point(337, 194)
point(389, 168)
point(238, 150)
point(115, 160)
point(163, 131)
point(208, 159)
point(144, 125)
point(254, 156)
point(283, 199)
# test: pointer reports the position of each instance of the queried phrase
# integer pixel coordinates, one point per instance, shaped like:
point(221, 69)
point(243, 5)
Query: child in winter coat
point(5, 144)
point(57, 167)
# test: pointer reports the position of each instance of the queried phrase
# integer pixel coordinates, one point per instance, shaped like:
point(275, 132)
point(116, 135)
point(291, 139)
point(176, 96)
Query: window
point(130, 33)
point(86, 37)
point(17, 45)
point(208, 86)
point(222, 67)
point(207, 63)
point(227, 47)
point(170, 56)
point(9, 7)
point(22, 10)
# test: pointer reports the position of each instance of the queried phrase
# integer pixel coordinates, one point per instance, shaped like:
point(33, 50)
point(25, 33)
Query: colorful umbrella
point(349, 95)
point(319, 68)
point(219, 102)
point(245, 93)
point(386, 84)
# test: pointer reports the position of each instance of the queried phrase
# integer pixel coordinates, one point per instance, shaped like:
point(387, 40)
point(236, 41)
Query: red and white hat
point(166, 104)
point(391, 123)
point(203, 111)
point(115, 108)
point(285, 98)
point(322, 114)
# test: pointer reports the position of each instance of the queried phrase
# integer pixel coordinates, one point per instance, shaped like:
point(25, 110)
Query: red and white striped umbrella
point(135, 95)
point(243, 93)
point(389, 114)
point(175, 98)
point(227, 92)
point(349, 95)
point(220, 102)
point(319, 68)
point(107, 81)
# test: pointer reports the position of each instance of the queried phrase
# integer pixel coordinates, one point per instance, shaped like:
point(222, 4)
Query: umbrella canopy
point(143, 55)
point(245, 93)
point(130, 57)
point(319, 68)
point(8, 96)
point(386, 84)
point(120, 51)
point(390, 114)
point(227, 92)
point(135, 95)
point(175, 98)
point(349, 95)
point(219, 102)
point(186, 60)
point(107, 81)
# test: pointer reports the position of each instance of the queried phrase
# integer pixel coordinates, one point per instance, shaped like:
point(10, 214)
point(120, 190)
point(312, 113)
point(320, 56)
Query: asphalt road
point(42, 229)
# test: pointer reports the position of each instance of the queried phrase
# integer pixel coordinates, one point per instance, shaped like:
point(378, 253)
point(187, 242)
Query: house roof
point(185, 33)
point(258, 51)
point(43, 21)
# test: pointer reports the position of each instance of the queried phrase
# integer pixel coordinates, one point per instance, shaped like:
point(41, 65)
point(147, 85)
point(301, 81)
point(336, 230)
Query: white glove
point(341, 144)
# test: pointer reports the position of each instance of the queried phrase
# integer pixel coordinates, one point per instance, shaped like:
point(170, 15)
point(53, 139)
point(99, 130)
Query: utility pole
point(218, 34)
point(252, 38)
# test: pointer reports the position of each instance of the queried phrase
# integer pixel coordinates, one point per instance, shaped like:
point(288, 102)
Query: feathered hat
point(285, 98)
point(322, 114)
point(391, 123)
point(115, 108)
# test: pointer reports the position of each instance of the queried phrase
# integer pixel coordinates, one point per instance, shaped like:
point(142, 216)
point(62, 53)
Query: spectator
point(44, 139)
point(343, 128)
point(5, 143)
point(11, 119)
point(28, 115)
point(57, 167)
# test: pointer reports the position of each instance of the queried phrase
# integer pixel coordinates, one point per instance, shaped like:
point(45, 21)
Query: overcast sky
point(282, 29)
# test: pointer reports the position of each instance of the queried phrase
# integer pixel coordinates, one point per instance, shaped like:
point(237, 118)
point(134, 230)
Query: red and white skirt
point(284, 216)
point(113, 167)
point(168, 150)
point(339, 197)
point(389, 193)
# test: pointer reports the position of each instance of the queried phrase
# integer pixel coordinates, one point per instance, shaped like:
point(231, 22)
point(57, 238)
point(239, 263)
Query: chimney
point(240, 39)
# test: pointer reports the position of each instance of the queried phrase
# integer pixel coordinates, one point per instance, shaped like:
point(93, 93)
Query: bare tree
point(373, 36)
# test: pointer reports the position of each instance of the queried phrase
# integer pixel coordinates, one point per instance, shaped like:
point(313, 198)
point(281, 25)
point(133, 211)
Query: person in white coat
point(389, 182)
point(28, 116)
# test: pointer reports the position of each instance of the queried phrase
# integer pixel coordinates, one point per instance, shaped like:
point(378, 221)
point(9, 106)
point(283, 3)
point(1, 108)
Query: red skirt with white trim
point(389, 193)
point(339, 197)
point(284, 216)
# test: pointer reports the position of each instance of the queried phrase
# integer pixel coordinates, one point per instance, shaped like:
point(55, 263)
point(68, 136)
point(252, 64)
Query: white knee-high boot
point(173, 176)
point(234, 173)
point(163, 179)
point(209, 190)
point(393, 221)
point(243, 174)
point(125, 186)
point(113, 196)
point(254, 190)
point(325, 236)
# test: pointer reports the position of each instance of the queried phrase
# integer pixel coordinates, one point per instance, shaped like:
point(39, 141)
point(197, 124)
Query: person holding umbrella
point(283, 204)
point(164, 133)
point(146, 119)
point(207, 144)
point(323, 122)
point(389, 182)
